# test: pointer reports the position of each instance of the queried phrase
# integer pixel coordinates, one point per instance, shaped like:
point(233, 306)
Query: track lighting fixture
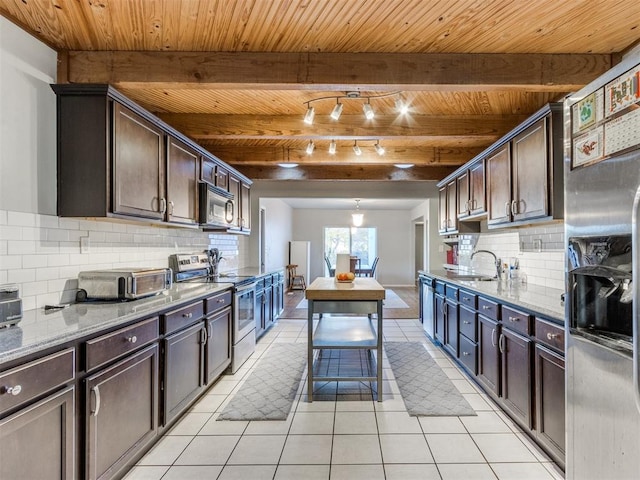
point(337, 111)
point(368, 111)
point(332, 147)
point(356, 148)
point(310, 147)
point(379, 148)
point(309, 115)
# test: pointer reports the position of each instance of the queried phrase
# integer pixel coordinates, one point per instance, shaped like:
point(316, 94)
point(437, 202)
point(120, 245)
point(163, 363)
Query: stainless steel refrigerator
point(602, 214)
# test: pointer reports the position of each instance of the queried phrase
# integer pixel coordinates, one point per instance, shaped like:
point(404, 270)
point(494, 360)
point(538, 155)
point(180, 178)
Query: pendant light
point(357, 218)
point(332, 147)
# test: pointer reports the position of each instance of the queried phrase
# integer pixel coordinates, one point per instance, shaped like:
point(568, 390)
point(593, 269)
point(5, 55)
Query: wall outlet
point(85, 244)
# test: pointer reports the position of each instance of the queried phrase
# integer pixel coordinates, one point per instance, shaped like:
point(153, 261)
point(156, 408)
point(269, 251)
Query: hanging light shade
point(357, 218)
point(309, 115)
point(337, 111)
point(356, 148)
point(332, 147)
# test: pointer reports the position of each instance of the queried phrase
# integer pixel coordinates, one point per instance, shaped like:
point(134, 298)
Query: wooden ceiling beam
point(419, 156)
point(334, 71)
point(344, 172)
point(350, 127)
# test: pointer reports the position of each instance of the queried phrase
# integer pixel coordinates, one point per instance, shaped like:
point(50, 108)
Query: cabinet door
point(275, 308)
point(121, 412)
point(222, 178)
point(477, 190)
point(268, 306)
point(451, 327)
point(440, 318)
point(234, 189)
point(37, 442)
point(218, 344)
point(183, 375)
point(499, 186)
point(452, 207)
point(138, 166)
point(245, 206)
point(462, 187)
point(550, 402)
point(488, 354)
point(530, 173)
point(442, 209)
point(517, 396)
point(182, 183)
point(259, 314)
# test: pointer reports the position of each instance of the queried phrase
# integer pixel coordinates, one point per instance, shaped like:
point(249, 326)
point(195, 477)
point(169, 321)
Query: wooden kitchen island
point(350, 326)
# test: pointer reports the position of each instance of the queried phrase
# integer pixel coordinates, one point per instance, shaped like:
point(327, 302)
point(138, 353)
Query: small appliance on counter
point(10, 305)
point(123, 283)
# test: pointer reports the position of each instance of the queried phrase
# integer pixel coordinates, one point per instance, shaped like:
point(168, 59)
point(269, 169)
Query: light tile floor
point(346, 436)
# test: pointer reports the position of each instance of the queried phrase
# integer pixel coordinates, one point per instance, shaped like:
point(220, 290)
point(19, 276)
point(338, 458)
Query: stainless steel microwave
point(216, 206)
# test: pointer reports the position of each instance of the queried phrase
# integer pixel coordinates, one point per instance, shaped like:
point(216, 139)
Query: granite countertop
point(39, 330)
point(544, 301)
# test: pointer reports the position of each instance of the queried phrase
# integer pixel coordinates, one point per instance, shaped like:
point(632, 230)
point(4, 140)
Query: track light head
point(402, 106)
point(310, 147)
point(368, 111)
point(309, 115)
point(337, 111)
point(356, 148)
point(332, 147)
point(379, 148)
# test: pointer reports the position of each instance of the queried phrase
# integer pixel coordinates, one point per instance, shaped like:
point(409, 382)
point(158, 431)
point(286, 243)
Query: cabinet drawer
point(550, 334)
point(451, 292)
point(24, 383)
point(468, 354)
point(488, 308)
point(217, 302)
point(516, 320)
point(468, 326)
point(468, 299)
point(113, 345)
point(440, 287)
point(182, 317)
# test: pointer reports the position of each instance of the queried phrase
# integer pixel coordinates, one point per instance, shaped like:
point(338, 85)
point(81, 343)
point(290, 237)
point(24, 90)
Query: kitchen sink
point(473, 278)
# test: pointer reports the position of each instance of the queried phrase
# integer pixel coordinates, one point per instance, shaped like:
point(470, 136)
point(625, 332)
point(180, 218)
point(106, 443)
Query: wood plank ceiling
point(236, 75)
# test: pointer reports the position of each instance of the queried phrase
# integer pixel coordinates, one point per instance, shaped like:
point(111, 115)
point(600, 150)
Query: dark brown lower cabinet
point(37, 442)
point(550, 401)
point(488, 354)
point(121, 412)
point(451, 326)
point(218, 349)
point(183, 374)
point(517, 395)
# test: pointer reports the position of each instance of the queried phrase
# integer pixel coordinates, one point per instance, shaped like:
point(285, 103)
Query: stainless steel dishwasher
point(426, 305)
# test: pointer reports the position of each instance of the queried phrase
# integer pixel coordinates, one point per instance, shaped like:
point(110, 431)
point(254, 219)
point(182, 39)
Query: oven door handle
point(635, 284)
point(243, 289)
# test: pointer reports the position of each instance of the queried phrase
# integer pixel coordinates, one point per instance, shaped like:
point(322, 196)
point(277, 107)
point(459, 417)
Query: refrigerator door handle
point(635, 255)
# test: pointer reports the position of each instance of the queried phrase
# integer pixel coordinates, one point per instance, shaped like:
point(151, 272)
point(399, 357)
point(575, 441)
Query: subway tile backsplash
point(541, 266)
point(42, 254)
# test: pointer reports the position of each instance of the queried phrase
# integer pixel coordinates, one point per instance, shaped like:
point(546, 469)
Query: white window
point(359, 242)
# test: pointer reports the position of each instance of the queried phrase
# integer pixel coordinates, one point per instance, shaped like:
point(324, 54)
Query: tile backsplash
point(42, 253)
point(539, 250)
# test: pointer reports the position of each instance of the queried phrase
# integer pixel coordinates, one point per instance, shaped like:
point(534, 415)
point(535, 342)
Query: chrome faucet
point(497, 261)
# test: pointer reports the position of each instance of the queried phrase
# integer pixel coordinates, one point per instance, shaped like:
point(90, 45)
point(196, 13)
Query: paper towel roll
point(343, 263)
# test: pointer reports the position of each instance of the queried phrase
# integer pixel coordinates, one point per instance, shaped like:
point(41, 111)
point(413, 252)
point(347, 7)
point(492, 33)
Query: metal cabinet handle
point(493, 335)
point(507, 208)
point(551, 336)
point(466, 322)
point(445, 310)
point(513, 319)
point(465, 354)
point(96, 392)
point(220, 300)
point(486, 307)
point(187, 315)
point(132, 339)
point(501, 343)
point(11, 390)
point(514, 207)
point(163, 205)
point(171, 207)
point(203, 336)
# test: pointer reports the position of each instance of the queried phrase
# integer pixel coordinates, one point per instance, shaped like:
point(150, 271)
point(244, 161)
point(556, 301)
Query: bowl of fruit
point(345, 277)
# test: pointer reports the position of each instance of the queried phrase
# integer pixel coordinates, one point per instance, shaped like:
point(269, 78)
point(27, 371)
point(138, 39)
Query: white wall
point(38, 250)
point(278, 232)
point(395, 240)
point(428, 212)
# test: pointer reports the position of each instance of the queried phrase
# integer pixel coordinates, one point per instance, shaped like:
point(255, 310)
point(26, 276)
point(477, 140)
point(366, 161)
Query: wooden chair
point(296, 282)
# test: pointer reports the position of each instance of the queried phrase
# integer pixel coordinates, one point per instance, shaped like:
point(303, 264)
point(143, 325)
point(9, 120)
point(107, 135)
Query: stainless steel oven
point(244, 326)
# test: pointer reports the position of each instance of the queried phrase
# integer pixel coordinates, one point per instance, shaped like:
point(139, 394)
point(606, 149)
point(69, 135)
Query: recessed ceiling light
point(288, 165)
point(403, 165)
